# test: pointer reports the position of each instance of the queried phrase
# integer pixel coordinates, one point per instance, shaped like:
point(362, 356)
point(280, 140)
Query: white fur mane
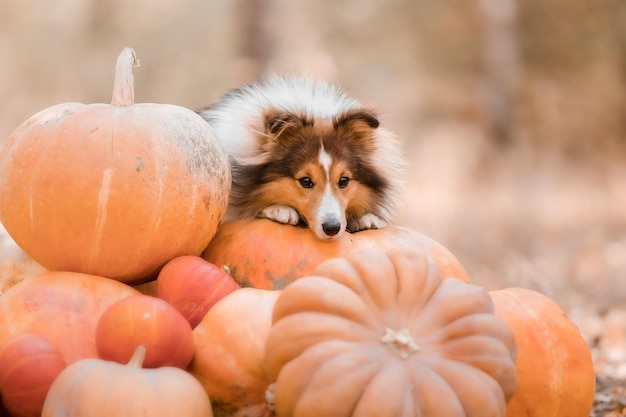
point(238, 116)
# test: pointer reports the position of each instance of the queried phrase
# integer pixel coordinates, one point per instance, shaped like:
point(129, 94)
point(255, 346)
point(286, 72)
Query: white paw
point(368, 221)
point(281, 214)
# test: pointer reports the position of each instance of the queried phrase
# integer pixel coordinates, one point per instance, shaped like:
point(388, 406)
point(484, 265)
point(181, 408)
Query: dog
point(303, 152)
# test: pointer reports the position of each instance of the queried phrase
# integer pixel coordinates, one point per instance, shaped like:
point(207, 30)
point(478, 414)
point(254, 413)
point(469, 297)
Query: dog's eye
point(306, 182)
point(343, 182)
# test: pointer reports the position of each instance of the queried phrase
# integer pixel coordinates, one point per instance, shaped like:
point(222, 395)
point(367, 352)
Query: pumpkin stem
point(124, 82)
point(269, 397)
point(138, 357)
point(400, 341)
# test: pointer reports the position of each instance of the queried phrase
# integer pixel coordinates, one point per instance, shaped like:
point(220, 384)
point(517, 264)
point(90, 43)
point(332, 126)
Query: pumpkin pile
point(148, 304)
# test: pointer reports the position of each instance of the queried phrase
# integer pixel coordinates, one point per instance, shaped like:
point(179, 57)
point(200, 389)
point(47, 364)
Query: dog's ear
point(277, 121)
point(349, 118)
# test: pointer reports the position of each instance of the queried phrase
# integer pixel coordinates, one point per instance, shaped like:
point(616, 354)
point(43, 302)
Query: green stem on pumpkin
point(124, 82)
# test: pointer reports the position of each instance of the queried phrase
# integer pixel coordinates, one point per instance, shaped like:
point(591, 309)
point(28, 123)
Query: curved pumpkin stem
point(124, 82)
point(138, 357)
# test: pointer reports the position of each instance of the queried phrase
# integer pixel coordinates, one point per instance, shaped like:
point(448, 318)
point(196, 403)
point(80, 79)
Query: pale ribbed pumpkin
point(96, 388)
point(113, 190)
point(383, 334)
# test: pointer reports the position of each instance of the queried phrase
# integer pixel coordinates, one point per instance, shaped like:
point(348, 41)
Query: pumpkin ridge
point(482, 392)
point(101, 217)
point(428, 386)
point(342, 370)
point(302, 297)
point(346, 273)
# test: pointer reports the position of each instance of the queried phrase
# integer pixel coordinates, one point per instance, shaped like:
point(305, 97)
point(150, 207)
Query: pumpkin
point(113, 190)
point(382, 333)
point(28, 366)
point(193, 285)
point(95, 388)
point(63, 307)
point(264, 254)
point(15, 265)
point(148, 321)
point(555, 369)
point(230, 349)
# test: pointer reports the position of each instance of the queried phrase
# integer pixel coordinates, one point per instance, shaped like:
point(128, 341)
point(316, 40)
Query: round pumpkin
point(63, 307)
point(555, 371)
point(28, 366)
point(264, 254)
point(15, 265)
point(149, 321)
point(95, 388)
point(383, 333)
point(113, 190)
point(230, 349)
point(193, 285)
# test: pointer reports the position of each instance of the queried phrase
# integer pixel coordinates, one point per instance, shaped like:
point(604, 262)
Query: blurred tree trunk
point(501, 63)
point(255, 48)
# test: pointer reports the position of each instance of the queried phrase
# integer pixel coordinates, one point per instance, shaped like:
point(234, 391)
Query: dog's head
point(323, 168)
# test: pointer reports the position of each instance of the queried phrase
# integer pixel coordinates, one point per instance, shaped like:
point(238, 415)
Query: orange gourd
point(63, 307)
point(149, 321)
point(96, 388)
point(28, 366)
point(230, 349)
point(193, 285)
point(555, 369)
point(113, 190)
point(384, 334)
point(264, 254)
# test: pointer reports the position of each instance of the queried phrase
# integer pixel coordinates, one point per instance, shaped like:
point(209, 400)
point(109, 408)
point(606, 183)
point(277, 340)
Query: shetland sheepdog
point(304, 152)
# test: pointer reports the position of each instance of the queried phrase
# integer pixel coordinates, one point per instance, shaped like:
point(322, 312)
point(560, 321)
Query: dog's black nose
point(331, 228)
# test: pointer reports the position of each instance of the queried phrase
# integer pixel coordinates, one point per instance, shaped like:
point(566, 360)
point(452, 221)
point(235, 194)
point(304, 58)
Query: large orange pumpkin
point(384, 334)
point(555, 369)
point(113, 190)
point(63, 307)
point(264, 254)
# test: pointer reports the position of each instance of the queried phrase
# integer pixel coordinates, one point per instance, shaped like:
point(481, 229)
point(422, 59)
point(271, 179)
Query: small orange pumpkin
point(113, 190)
point(28, 366)
point(264, 254)
point(96, 388)
point(384, 334)
point(555, 373)
point(148, 321)
point(230, 353)
point(63, 307)
point(193, 285)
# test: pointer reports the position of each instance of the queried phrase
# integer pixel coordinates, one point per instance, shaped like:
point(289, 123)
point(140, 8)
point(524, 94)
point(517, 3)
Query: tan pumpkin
point(556, 376)
point(63, 307)
point(264, 254)
point(96, 388)
point(230, 349)
point(113, 190)
point(15, 265)
point(383, 334)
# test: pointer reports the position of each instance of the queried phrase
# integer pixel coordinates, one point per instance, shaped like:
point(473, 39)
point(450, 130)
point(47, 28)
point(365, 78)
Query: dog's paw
point(281, 214)
point(368, 221)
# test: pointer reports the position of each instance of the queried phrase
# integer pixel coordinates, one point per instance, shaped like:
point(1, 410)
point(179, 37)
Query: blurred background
point(512, 113)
